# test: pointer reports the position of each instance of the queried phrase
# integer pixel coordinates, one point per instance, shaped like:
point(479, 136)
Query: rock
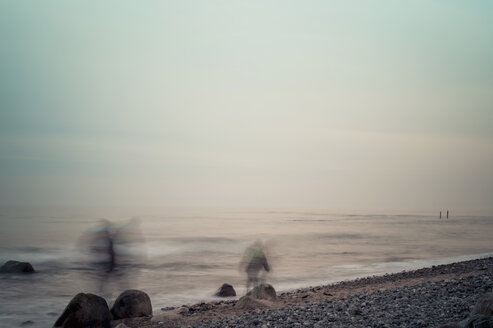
point(85, 310)
point(484, 305)
point(263, 292)
point(121, 325)
point(477, 321)
point(132, 303)
point(226, 290)
point(27, 323)
point(250, 303)
point(183, 310)
point(168, 308)
point(17, 267)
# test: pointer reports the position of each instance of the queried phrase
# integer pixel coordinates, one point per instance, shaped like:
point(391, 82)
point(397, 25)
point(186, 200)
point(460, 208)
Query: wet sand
point(426, 297)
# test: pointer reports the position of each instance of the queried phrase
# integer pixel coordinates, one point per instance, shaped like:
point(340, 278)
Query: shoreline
point(470, 277)
point(365, 270)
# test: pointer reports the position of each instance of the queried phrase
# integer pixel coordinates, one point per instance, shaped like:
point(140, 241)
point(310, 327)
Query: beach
point(427, 297)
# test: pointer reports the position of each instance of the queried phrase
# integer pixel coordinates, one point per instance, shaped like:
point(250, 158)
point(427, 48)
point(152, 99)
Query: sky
point(326, 104)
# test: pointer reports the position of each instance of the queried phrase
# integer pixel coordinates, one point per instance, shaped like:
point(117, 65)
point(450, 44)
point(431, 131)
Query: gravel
point(426, 303)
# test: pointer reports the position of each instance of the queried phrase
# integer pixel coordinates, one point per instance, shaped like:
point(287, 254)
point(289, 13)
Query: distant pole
point(440, 214)
point(447, 214)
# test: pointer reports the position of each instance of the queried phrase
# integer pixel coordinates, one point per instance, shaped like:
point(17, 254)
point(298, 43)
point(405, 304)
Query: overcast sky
point(329, 104)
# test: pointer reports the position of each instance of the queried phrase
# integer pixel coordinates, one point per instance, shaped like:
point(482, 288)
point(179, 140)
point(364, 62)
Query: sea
point(182, 255)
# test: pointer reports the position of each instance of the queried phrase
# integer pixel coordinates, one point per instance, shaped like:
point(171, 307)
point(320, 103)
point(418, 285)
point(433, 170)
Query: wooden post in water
point(440, 214)
point(447, 214)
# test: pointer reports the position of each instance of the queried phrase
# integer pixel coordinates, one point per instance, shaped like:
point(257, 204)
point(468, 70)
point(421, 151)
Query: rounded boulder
point(263, 292)
point(484, 305)
point(16, 267)
point(84, 311)
point(131, 303)
point(249, 303)
point(226, 290)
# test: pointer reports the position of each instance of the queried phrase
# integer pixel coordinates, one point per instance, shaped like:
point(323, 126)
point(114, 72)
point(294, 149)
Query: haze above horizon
point(333, 104)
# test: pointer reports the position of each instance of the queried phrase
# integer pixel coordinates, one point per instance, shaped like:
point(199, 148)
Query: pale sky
point(327, 104)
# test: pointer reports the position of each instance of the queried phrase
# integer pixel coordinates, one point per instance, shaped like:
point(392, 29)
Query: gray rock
point(226, 290)
point(168, 308)
point(84, 311)
point(249, 303)
point(263, 292)
point(484, 305)
point(16, 267)
point(477, 321)
point(121, 325)
point(183, 310)
point(132, 303)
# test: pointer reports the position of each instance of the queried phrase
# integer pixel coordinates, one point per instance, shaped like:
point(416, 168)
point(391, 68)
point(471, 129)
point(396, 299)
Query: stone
point(226, 290)
point(484, 305)
point(183, 310)
point(121, 325)
point(85, 310)
point(250, 303)
point(168, 308)
point(27, 323)
point(132, 303)
point(477, 321)
point(16, 267)
point(263, 292)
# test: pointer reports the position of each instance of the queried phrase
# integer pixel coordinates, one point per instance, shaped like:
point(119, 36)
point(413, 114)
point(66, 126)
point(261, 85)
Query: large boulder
point(16, 267)
point(132, 303)
point(484, 305)
point(249, 303)
point(226, 290)
point(85, 311)
point(477, 321)
point(482, 314)
point(263, 292)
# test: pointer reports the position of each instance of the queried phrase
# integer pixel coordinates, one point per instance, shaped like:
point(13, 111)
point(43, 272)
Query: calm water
point(182, 255)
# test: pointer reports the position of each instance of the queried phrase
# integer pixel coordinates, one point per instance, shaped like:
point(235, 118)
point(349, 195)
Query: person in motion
point(254, 260)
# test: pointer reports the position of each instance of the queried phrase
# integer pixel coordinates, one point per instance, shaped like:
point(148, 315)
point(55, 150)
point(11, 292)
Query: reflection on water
point(189, 253)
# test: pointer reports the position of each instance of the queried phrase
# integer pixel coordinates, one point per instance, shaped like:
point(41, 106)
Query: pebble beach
point(428, 297)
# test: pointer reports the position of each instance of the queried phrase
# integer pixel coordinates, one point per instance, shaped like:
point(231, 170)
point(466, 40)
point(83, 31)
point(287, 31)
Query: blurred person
point(97, 247)
point(101, 255)
point(110, 252)
point(253, 261)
